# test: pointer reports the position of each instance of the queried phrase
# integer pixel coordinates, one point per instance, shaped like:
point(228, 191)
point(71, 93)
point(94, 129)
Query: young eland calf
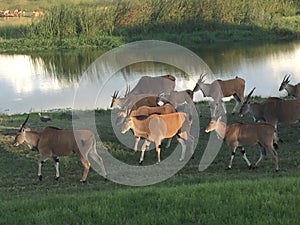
point(240, 135)
point(53, 142)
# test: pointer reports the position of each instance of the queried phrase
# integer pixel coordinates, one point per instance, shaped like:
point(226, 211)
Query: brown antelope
point(156, 127)
point(133, 101)
point(292, 90)
point(180, 97)
point(53, 142)
point(145, 111)
point(273, 110)
point(154, 85)
point(219, 89)
point(149, 86)
point(240, 135)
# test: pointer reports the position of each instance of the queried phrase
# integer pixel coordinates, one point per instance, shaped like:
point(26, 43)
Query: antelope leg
point(260, 156)
point(144, 146)
point(41, 161)
point(245, 157)
point(157, 148)
point(232, 157)
point(137, 139)
point(183, 147)
point(56, 165)
point(86, 166)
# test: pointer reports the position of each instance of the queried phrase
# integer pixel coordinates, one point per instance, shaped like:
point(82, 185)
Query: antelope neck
point(221, 129)
point(32, 138)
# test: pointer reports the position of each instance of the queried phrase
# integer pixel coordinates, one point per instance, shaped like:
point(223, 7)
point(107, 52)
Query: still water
point(49, 81)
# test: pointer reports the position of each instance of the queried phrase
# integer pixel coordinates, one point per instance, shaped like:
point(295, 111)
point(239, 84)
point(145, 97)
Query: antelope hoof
point(228, 168)
point(250, 167)
point(276, 170)
point(56, 178)
point(40, 177)
point(83, 181)
point(180, 160)
point(157, 163)
point(140, 162)
point(233, 113)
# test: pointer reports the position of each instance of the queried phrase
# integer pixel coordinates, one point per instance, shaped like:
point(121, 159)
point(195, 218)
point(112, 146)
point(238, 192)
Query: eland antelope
point(240, 135)
point(292, 90)
point(145, 111)
point(180, 97)
point(133, 102)
point(156, 127)
point(146, 86)
point(219, 89)
point(273, 110)
point(154, 85)
point(53, 142)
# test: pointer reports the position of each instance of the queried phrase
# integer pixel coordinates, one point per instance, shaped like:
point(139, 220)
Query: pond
point(50, 81)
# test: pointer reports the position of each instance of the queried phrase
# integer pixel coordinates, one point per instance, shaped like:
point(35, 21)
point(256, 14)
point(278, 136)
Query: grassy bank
point(268, 201)
point(214, 196)
point(112, 23)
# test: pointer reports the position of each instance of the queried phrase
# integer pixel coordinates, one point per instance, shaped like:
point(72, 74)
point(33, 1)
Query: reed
point(135, 20)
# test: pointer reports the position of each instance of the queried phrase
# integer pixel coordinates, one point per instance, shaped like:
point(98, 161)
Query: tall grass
point(213, 19)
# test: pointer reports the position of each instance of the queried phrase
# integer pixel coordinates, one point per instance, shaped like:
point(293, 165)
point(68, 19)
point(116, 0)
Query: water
point(50, 80)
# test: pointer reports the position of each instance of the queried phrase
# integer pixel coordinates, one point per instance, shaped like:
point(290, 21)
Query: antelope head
point(200, 84)
point(246, 104)
point(20, 136)
point(202, 78)
point(284, 82)
point(212, 125)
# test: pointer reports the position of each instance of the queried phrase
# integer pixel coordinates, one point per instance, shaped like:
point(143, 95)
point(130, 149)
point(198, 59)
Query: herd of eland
point(152, 111)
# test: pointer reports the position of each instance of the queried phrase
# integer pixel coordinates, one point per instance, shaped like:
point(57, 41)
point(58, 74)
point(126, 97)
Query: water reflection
point(49, 80)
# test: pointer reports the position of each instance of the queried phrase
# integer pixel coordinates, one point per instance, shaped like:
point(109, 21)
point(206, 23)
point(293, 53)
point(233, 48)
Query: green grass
point(214, 196)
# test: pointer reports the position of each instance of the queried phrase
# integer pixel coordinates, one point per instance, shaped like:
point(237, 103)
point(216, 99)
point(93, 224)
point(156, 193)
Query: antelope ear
point(219, 118)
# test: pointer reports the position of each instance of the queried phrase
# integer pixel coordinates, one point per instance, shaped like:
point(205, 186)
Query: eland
point(180, 97)
point(147, 86)
point(156, 127)
point(292, 90)
point(53, 142)
point(240, 135)
point(145, 111)
point(219, 89)
point(273, 110)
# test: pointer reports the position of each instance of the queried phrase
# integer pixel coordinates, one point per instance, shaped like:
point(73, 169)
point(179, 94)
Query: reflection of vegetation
point(66, 67)
point(231, 56)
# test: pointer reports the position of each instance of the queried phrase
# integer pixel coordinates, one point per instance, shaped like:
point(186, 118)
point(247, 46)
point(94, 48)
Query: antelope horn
point(202, 76)
point(115, 95)
point(288, 78)
point(127, 91)
point(24, 123)
point(249, 95)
